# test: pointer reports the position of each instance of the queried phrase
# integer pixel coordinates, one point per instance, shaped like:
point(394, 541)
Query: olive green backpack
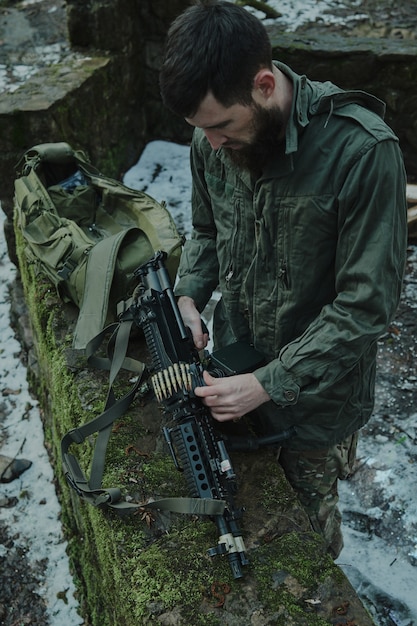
point(87, 232)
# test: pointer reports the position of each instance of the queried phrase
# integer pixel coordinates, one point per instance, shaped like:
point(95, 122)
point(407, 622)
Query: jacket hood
point(315, 98)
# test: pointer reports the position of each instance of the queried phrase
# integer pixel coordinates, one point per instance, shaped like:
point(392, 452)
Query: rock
point(12, 468)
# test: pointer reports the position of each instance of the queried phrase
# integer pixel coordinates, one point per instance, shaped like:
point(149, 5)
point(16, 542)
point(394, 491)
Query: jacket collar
point(299, 111)
point(313, 98)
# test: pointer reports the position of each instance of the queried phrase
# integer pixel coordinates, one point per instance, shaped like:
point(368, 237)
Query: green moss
point(274, 493)
point(161, 472)
point(175, 564)
point(301, 555)
point(294, 561)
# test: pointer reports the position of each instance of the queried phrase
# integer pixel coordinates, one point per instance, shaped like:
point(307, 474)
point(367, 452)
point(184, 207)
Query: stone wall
point(136, 30)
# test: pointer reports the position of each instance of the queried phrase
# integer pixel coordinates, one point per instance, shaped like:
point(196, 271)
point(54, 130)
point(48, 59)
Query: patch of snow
point(28, 3)
point(163, 172)
point(296, 13)
point(34, 522)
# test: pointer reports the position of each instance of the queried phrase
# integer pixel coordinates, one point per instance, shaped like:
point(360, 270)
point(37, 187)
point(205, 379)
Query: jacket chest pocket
point(300, 239)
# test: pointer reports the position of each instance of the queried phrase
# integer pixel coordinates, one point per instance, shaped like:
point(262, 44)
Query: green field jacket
point(309, 257)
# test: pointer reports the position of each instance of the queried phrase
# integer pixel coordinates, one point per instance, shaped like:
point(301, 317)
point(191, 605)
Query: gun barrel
point(209, 473)
point(230, 544)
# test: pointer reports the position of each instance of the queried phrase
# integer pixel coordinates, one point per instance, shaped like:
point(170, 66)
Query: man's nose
point(215, 138)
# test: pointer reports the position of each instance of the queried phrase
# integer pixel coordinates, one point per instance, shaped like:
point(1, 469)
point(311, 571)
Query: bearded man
point(299, 215)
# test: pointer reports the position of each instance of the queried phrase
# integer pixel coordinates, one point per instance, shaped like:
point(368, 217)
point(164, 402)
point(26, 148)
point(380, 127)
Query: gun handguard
point(196, 447)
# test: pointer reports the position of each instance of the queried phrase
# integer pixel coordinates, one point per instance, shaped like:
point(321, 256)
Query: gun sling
point(91, 490)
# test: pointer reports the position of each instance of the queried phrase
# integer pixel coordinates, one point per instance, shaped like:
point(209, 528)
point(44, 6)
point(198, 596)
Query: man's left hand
point(232, 397)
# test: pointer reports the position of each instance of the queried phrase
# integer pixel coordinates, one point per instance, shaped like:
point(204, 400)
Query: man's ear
point(264, 83)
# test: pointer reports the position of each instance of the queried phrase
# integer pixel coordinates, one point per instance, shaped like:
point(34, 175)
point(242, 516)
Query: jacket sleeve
point(369, 264)
point(198, 271)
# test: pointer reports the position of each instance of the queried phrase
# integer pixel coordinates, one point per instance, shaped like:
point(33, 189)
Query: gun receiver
point(196, 447)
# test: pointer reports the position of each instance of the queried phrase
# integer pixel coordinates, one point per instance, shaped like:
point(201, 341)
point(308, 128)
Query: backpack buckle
point(67, 269)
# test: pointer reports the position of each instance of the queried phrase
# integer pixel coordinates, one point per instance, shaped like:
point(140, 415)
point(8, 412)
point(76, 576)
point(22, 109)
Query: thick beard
point(268, 125)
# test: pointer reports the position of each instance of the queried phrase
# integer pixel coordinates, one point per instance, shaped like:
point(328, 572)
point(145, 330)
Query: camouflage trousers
point(314, 475)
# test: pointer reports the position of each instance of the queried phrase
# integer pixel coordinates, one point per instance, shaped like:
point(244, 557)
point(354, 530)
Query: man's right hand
point(192, 319)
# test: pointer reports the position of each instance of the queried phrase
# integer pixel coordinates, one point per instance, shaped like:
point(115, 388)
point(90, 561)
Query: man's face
point(249, 134)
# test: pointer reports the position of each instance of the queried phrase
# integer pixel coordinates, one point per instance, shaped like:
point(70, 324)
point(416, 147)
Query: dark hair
point(213, 46)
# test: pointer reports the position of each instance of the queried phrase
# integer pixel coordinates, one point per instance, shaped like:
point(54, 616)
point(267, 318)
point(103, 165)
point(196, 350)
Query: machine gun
point(196, 447)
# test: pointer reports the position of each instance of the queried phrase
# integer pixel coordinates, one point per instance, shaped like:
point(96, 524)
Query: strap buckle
point(70, 480)
point(67, 269)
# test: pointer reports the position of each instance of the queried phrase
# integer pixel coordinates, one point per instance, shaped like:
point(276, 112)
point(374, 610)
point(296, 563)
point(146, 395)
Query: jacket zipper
point(229, 275)
point(283, 274)
point(230, 271)
point(283, 271)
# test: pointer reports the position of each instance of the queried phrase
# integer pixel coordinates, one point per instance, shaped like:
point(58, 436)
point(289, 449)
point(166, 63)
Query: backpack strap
point(98, 280)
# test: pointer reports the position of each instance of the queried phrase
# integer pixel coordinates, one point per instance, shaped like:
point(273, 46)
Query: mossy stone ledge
point(153, 568)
